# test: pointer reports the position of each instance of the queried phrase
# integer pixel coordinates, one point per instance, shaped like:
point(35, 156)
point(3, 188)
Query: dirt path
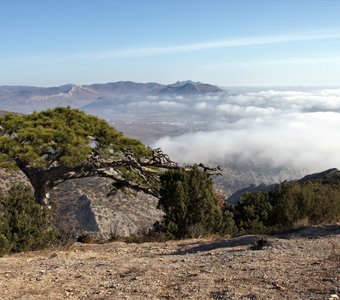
point(290, 267)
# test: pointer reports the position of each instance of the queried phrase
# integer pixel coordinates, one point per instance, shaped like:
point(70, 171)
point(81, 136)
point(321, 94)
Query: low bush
point(24, 224)
point(289, 205)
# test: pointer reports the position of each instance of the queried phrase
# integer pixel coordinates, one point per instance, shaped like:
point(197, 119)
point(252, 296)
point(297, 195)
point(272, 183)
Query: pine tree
point(60, 144)
point(189, 203)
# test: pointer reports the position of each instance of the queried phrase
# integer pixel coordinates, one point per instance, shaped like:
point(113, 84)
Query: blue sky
point(229, 43)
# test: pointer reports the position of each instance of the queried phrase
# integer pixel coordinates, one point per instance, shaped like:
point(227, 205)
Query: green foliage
point(189, 204)
point(314, 201)
point(252, 212)
point(288, 204)
point(228, 225)
point(5, 246)
point(59, 144)
point(24, 225)
point(66, 131)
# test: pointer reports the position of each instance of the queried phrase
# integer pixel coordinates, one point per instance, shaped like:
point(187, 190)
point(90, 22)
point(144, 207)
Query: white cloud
point(216, 44)
point(143, 51)
point(294, 129)
point(324, 100)
point(171, 104)
point(245, 111)
point(201, 105)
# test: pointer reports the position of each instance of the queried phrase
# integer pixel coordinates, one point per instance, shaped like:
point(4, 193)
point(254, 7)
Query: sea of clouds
point(297, 129)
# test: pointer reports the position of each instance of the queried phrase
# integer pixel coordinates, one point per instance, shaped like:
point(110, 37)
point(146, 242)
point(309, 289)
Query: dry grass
point(289, 267)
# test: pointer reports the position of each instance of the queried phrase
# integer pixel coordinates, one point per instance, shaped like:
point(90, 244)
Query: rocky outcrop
point(84, 207)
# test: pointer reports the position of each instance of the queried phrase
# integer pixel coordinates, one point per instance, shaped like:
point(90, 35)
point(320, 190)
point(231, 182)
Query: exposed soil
point(303, 265)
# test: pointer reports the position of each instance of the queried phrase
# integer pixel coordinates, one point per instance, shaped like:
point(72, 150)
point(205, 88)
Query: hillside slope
point(299, 266)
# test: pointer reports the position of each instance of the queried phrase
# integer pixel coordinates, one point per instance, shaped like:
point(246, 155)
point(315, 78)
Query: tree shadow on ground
point(251, 240)
point(208, 246)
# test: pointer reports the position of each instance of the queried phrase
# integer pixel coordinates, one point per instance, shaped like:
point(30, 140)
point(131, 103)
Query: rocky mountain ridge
point(25, 99)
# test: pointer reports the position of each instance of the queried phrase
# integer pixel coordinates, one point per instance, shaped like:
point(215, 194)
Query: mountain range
point(26, 99)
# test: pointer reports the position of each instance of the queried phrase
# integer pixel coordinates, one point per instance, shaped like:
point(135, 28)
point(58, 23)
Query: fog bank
point(293, 129)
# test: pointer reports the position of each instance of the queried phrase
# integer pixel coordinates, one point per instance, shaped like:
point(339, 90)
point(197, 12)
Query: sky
point(223, 42)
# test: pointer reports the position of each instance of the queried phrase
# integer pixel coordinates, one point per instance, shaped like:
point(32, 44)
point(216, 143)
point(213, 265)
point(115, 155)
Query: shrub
point(228, 225)
point(24, 224)
point(288, 205)
point(189, 203)
point(4, 244)
point(311, 202)
point(252, 213)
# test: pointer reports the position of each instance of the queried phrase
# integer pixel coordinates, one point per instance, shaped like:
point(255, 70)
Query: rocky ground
point(303, 265)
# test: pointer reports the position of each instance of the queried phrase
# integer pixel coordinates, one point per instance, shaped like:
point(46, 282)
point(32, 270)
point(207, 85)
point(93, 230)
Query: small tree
point(189, 203)
point(228, 225)
point(285, 199)
point(252, 212)
point(24, 224)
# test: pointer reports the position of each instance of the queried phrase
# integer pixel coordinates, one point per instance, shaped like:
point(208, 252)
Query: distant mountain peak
point(181, 83)
point(188, 87)
point(79, 89)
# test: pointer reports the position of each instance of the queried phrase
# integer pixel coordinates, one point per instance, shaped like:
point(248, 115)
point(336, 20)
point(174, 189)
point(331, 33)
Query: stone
point(85, 209)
